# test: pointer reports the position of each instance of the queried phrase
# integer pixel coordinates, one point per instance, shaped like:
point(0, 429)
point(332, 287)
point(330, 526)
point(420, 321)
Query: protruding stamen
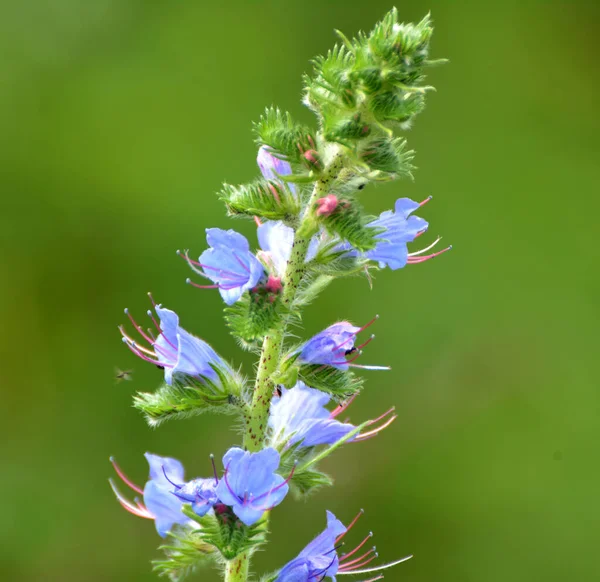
point(257, 221)
point(214, 286)
point(221, 272)
point(126, 504)
point(361, 346)
point(343, 406)
point(425, 201)
point(140, 330)
point(367, 538)
point(368, 324)
point(378, 568)
point(124, 477)
point(212, 460)
point(351, 566)
point(414, 260)
point(435, 242)
point(350, 526)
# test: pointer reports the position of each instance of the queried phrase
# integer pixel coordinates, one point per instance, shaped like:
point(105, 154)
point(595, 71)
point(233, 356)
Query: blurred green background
point(119, 119)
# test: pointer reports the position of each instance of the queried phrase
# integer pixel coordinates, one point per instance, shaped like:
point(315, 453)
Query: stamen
point(368, 324)
point(215, 286)
point(240, 262)
point(435, 242)
point(350, 526)
point(151, 299)
point(212, 460)
point(276, 488)
point(414, 260)
point(124, 477)
point(342, 362)
point(357, 564)
point(229, 486)
point(378, 568)
point(140, 330)
point(425, 201)
point(169, 480)
point(365, 435)
point(373, 579)
point(126, 504)
point(346, 556)
point(366, 343)
point(220, 271)
point(134, 348)
point(257, 221)
point(339, 409)
point(127, 338)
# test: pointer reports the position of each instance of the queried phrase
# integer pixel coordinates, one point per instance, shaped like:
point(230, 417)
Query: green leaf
point(288, 139)
point(187, 397)
point(268, 199)
point(339, 384)
point(185, 551)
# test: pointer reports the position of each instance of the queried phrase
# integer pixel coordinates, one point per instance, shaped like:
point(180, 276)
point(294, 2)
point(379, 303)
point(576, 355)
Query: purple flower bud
point(331, 346)
point(228, 263)
point(250, 485)
point(173, 348)
point(327, 205)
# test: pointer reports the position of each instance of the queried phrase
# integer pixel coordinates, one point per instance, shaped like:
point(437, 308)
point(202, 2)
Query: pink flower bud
point(327, 205)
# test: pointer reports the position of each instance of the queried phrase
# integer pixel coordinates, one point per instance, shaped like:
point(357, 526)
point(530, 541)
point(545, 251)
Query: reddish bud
point(327, 205)
point(273, 284)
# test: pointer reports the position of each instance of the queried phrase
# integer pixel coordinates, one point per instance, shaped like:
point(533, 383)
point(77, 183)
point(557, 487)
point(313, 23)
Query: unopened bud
point(327, 205)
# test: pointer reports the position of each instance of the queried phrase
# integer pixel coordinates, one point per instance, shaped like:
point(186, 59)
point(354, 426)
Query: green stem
point(270, 355)
point(236, 570)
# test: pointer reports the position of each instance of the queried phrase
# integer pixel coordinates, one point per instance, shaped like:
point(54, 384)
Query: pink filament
point(346, 556)
point(354, 564)
point(125, 479)
point(350, 526)
point(339, 409)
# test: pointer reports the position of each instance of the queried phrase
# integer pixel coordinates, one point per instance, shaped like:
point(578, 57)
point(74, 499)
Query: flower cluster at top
point(311, 229)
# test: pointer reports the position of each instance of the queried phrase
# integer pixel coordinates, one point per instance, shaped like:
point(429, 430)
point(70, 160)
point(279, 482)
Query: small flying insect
point(123, 375)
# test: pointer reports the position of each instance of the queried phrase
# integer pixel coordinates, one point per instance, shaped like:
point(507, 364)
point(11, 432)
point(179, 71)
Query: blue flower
point(174, 349)
point(250, 485)
point(229, 264)
point(331, 346)
point(299, 416)
point(159, 502)
point(400, 228)
point(276, 240)
point(318, 559)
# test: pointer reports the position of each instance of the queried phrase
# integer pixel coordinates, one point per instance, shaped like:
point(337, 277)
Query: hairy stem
point(258, 415)
point(236, 570)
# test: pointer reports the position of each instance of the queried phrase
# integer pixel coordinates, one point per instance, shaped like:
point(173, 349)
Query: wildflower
point(276, 240)
point(331, 346)
point(229, 264)
point(250, 485)
point(159, 502)
point(299, 415)
point(401, 227)
point(174, 349)
point(319, 559)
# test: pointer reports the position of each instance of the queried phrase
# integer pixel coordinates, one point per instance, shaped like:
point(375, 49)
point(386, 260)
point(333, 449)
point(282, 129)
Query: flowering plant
point(311, 230)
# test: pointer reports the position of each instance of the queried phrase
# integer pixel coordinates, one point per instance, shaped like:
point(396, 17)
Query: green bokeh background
point(119, 119)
